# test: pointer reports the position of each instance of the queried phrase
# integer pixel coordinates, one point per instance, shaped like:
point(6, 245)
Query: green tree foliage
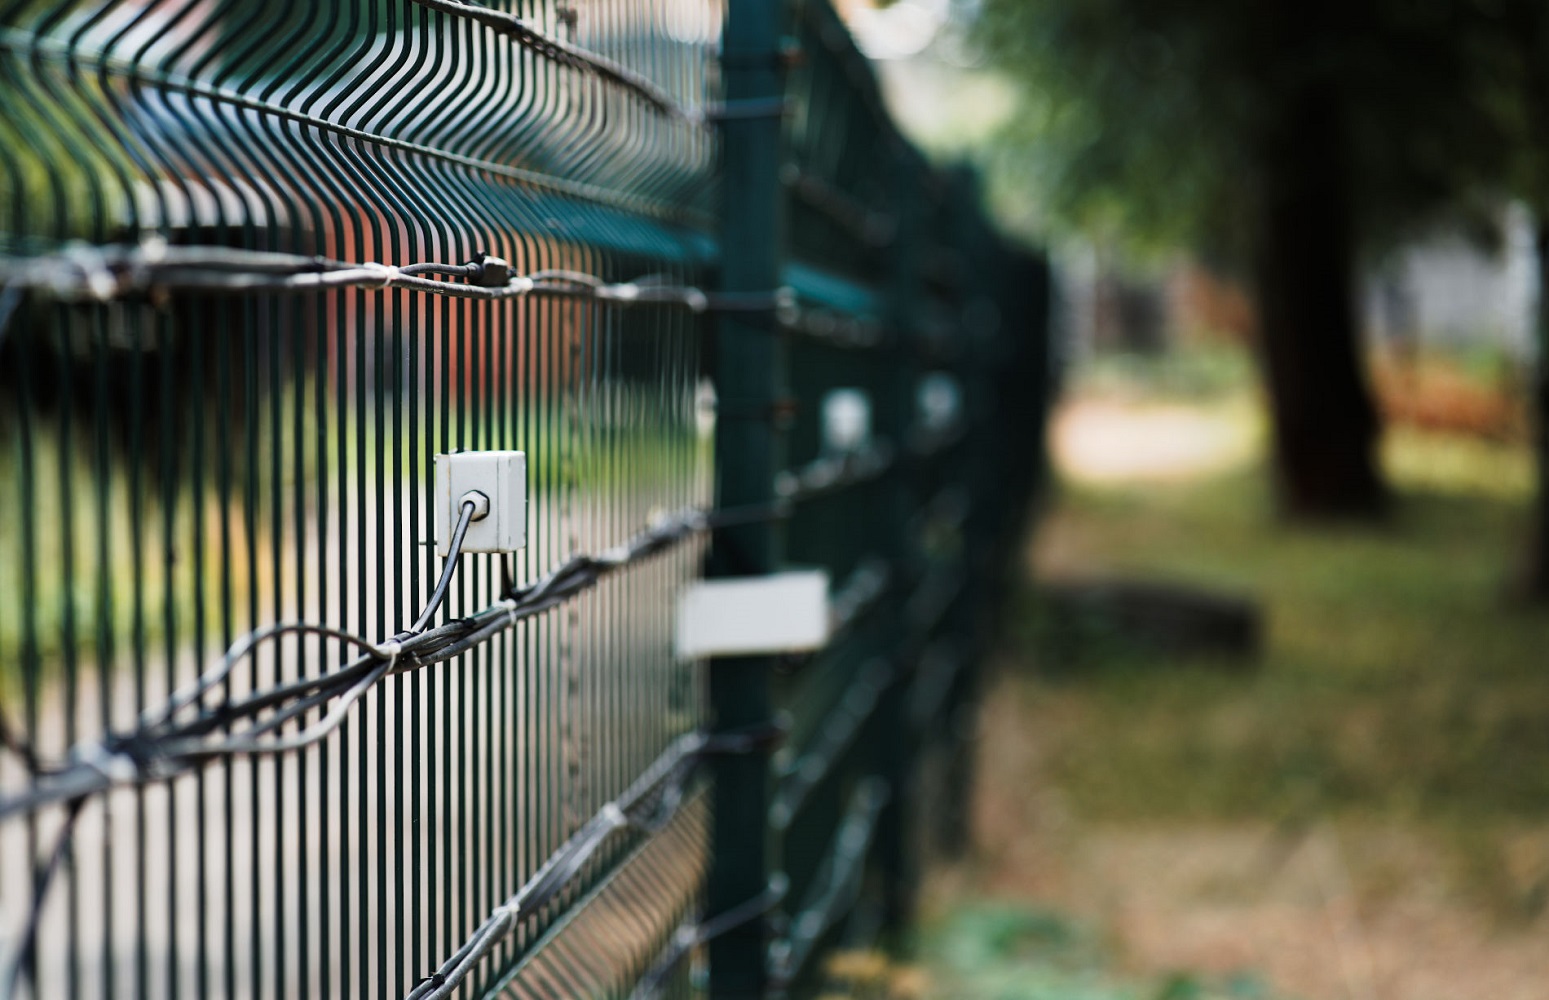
point(1283, 137)
point(1151, 121)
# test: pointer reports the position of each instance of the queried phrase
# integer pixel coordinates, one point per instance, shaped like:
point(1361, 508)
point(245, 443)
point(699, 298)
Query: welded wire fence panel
point(915, 351)
point(260, 263)
point(195, 452)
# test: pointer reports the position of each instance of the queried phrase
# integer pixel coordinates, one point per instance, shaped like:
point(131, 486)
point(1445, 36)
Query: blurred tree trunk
point(1325, 426)
point(1537, 570)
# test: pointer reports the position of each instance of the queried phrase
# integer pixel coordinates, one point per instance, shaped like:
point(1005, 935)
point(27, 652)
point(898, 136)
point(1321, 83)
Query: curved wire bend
point(567, 54)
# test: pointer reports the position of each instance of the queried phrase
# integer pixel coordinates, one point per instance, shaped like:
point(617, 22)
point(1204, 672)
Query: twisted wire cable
point(702, 930)
point(160, 747)
point(646, 806)
point(153, 268)
point(836, 885)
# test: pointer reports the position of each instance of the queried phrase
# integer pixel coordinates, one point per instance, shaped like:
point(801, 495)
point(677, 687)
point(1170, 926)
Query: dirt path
point(1112, 441)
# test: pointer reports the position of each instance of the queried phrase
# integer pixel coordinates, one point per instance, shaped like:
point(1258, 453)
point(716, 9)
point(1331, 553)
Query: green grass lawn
point(1394, 720)
point(1399, 680)
point(1011, 952)
point(1401, 689)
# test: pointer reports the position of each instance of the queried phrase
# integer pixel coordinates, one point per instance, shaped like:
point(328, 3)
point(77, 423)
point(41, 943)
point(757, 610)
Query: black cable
point(645, 807)
point(835, 884)
point(161, 747)
point(465, 518)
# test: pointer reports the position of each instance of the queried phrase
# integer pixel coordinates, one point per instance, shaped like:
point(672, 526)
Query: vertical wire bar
point(297, 387)
point(275, 308)
point(444, 673)
point(528, 823)
point(251, 555)
point(344, 354)
point(169, 497)
point(139, 528)
point(484, 654)
point(104, 613)
point(72, 698)
point(325, 353)
point(355, 905)
point(223, 540)
point(487, 322)
point(464, 665)
point(410, 689)
point(506, 646)
point(31, 658)
point(374, 732)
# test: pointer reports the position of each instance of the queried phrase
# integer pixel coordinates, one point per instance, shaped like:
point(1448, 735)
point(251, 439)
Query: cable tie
point(386, 272)
point(522, 285)
point(615, 817)
point(619, 293)
point(153, 249)
point(94, 274)
point(493, 272)
point(115, 767)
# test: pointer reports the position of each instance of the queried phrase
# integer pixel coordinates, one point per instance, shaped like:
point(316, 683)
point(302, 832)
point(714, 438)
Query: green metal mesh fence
point(260, 262)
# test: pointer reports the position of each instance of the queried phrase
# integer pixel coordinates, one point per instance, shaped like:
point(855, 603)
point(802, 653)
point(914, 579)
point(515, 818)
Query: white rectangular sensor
point(779, 613)
point(499, 475)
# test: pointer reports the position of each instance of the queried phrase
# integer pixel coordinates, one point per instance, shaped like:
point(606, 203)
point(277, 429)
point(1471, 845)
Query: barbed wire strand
point(645, 806)
point(699, 931)
point(160, 747)
point(195, 694)
point(103, 273)
point(246, 645)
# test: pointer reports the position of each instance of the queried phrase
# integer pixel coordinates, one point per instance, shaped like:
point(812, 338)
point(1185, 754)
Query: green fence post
point(896, 413)
point(750, 377)
point(978, 337)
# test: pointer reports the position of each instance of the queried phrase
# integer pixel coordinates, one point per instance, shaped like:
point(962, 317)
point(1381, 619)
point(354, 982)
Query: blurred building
point(1450, 292)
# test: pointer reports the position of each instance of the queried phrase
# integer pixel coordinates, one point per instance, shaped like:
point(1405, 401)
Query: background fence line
point(260, 262)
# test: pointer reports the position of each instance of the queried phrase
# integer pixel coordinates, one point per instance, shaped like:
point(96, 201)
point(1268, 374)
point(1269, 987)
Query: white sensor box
point(748, 616)
point(499, 475)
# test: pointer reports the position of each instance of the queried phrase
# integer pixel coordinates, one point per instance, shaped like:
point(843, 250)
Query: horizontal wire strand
point(109, 272)
point(160, 748)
